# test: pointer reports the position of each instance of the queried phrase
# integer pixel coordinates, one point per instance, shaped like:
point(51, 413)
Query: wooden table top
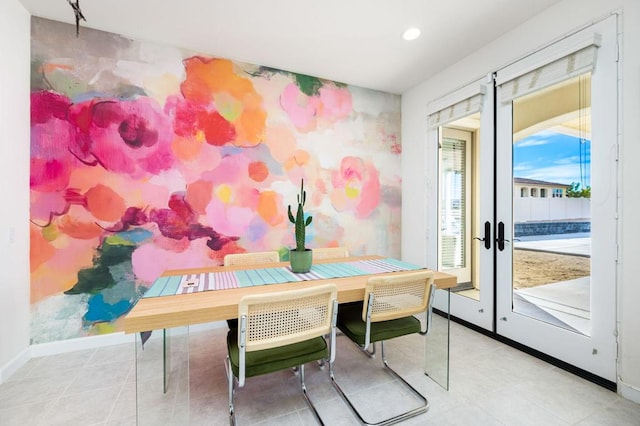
point(155, 313)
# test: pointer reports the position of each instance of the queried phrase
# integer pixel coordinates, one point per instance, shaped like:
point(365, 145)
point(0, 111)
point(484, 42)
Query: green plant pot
point(300, 260)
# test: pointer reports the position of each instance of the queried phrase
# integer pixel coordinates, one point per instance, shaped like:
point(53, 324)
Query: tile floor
point(490, 384)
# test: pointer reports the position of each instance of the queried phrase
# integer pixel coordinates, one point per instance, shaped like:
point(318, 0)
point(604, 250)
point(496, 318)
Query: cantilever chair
point(388, 310)
point(281, 330)
point(330, 253)
point(254, 258)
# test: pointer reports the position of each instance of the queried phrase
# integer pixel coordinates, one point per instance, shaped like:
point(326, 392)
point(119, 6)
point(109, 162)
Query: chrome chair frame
point(371, 354)
point(245, 344)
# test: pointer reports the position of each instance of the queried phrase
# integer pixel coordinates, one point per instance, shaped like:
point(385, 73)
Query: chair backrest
point(286, 317)
point(397, 296)
point(254, 258)
point(330, 253)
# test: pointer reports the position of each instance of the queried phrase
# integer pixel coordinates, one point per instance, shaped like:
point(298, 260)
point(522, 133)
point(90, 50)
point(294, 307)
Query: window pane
point(551, 256)
point(453, 203)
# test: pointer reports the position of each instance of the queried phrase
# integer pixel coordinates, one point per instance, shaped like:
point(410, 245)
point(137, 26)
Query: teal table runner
point(192, 283)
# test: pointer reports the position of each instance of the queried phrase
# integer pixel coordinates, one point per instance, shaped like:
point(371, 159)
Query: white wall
point(529, 209)
point(14, 168)
point(419, 196)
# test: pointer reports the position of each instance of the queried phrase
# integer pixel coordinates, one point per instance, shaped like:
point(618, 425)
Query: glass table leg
point(162, 377)
point(436, 351)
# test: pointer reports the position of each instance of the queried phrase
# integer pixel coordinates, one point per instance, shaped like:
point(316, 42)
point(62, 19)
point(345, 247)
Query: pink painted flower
point(336, 102)
point(305, 112)
point(132, 137)
point(51, 135)
point(301, 108)
point(356, 187)
point(190, 118)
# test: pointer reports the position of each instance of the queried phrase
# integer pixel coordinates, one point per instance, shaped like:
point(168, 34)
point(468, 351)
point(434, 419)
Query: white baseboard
point(14, 365)
point(91, 342)
point(81, 343)
point(629, 392)
point(62, 346)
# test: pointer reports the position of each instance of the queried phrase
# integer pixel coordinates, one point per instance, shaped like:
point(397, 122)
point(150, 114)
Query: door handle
point(500, 240)
point(487, 235)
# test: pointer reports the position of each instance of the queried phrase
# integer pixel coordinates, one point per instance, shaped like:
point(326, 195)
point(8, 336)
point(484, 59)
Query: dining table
point(183, 300)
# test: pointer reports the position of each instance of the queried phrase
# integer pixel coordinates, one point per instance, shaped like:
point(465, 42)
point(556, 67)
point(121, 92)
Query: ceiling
point(358, 42)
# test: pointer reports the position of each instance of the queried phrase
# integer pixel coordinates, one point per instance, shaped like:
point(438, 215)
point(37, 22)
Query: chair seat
point(275, 359)
point(351, 324)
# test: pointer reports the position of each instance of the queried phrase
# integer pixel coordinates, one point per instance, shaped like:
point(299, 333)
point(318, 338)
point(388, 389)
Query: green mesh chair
point(388, 310)
point(281, 330)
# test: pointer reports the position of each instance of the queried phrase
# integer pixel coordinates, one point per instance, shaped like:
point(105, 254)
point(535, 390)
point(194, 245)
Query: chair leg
point(391, 420)
point(370, 353)
point(231, 382)
point(306, 396)
point(322, 362)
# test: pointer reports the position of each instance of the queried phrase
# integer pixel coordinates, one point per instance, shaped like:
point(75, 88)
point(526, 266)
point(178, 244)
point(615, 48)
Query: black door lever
point(500, 240)
point(487, 235)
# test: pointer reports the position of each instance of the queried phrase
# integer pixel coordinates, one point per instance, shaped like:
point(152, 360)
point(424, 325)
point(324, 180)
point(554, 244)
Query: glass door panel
point(556, 199)
point(551, 204)
point(455, 204)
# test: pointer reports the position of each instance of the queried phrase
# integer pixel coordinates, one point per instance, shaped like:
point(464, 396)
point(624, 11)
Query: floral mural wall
point(147, 157)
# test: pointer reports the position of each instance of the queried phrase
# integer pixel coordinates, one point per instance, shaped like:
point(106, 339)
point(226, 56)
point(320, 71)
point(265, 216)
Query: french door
point(527, 199)
point(462, 125)
point(560, 105)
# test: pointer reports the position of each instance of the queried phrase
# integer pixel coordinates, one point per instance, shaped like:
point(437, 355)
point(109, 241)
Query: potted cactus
point(300, 257)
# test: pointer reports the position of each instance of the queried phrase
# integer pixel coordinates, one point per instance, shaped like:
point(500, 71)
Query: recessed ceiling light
point(411, 34)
